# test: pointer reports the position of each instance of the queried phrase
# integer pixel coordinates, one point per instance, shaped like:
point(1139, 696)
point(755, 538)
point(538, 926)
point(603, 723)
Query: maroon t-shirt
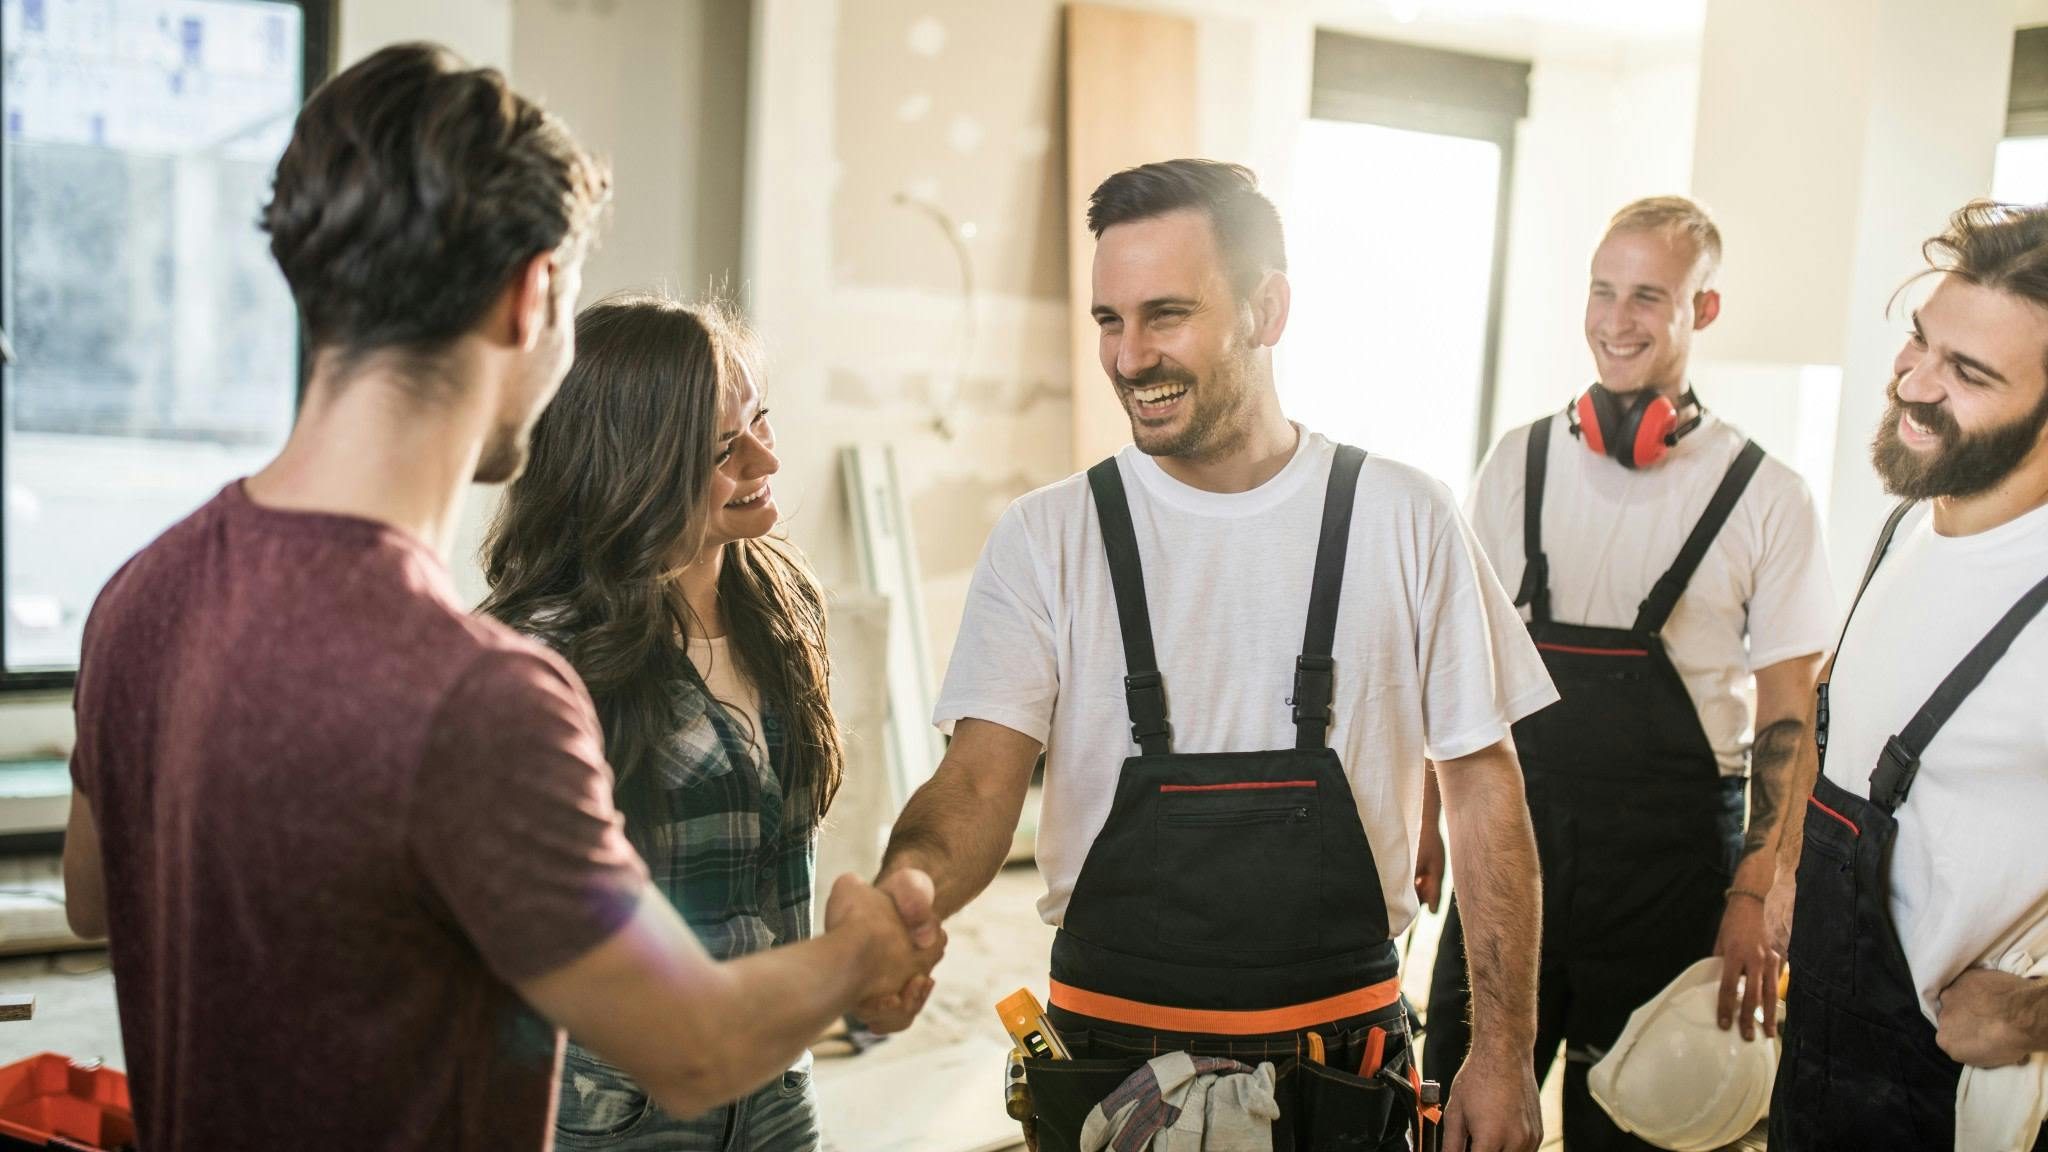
point(339, 817)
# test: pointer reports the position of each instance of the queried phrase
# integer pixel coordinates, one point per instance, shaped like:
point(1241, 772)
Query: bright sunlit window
point(156, 345)
point(1390, 250)
point(2019, 174)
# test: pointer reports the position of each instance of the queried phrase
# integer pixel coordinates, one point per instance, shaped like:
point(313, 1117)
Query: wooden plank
point(1131, 99)
point(884, 547)
point(21, 1006)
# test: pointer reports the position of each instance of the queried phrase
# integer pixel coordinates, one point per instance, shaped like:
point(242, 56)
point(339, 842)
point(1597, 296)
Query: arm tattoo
point(1771, 760)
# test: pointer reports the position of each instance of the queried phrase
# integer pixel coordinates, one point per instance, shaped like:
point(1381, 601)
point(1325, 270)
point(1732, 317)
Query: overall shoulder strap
point(1314, 670)
point(1535, 590)
point(1656, 609)
point(1899, 763)
point(1820, 690)
point(1144, 694)
point(1884, 544)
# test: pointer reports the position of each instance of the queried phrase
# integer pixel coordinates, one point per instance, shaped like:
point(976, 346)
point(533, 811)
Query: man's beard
point(1215, 423)
point(1964, 464)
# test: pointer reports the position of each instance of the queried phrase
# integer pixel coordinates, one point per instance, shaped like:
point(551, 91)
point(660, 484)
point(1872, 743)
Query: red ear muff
point(1589, 421)
point(1636, 430)
point(1654, 423)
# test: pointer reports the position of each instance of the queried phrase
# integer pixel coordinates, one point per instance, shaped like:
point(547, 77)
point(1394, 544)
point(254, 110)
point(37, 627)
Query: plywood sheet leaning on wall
point(1130, 80)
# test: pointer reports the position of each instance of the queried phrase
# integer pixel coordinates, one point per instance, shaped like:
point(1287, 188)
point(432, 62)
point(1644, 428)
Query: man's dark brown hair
point(1997, 246)
point(1245, 223)
point(414, 188)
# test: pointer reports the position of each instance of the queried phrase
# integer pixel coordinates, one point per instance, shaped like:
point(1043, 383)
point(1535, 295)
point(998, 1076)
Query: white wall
point(1603, 129)
point(479, 30)
point(1834, 137)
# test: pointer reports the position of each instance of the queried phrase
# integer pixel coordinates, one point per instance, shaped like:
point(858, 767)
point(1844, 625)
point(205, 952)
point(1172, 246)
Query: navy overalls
point(1860, 1068)
point(1637, 829)
point(1231, 904)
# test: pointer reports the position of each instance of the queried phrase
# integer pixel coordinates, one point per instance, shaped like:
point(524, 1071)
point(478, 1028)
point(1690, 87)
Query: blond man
point(1663, 562)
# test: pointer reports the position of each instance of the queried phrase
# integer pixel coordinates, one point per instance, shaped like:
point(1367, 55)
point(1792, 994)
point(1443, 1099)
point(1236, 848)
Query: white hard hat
point(1675, 1079)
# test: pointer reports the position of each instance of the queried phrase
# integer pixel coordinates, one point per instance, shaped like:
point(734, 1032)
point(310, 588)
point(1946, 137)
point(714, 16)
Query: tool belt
point(1324, 1100)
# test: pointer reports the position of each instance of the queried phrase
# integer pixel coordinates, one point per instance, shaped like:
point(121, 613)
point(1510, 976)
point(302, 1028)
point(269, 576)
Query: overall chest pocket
point(1823, 947)
point(1238, 870)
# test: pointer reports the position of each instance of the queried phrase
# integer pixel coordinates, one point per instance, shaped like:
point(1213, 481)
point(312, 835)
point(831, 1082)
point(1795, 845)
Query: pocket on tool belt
point(1239, 869)
point(1063, 1092)
point(1335, 1109)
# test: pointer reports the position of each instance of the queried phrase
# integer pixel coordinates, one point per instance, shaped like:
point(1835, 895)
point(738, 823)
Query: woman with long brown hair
point(638, 544)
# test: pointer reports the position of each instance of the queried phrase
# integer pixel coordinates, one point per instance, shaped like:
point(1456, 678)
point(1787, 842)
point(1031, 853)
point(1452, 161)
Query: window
point(1397, 231)
point(154, 345)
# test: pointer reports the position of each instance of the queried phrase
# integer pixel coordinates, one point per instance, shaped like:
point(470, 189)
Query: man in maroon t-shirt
point(354, 849)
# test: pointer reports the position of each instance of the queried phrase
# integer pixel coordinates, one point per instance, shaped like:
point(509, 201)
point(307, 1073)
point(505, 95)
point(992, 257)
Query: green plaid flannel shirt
point(739, 855)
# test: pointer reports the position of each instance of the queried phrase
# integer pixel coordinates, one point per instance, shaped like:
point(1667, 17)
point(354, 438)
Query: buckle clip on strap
point(1314, 687)
point(1145, 694)
point(1893, 777)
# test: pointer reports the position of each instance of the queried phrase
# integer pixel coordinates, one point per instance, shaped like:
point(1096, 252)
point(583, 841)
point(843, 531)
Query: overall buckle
point(1893, 777)
point(1145, 694)
point(1314, 685)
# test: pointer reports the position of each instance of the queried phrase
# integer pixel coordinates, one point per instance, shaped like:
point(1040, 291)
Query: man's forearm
point(954, 834)
point(1500, 896)
point(776, 1004)
point(1773, 775)
point(1800, 780)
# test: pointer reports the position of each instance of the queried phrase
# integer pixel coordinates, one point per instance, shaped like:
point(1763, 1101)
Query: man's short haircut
point(414, 188)
point(1246, 225)
point(1673, 216)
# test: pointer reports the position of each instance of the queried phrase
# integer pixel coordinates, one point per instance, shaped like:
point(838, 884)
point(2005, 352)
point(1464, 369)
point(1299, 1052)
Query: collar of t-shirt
point(1309, 449)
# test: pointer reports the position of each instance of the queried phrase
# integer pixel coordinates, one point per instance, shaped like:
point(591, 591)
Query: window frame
point(317, 63)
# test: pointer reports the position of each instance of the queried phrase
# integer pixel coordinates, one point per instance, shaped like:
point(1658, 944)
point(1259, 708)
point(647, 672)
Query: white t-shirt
point(712, 657)
point(1762, 592)
point(1430, 661)
point(1968, 864)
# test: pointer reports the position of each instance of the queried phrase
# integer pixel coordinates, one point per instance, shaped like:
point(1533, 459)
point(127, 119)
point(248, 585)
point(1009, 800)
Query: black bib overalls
point(1231, 903)
point(1636, 827)
point(1860, 1068)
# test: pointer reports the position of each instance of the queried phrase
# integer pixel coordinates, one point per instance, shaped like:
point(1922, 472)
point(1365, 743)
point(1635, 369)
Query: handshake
point(902, 942)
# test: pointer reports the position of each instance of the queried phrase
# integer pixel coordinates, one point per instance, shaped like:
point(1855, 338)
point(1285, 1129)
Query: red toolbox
point(46, 1101)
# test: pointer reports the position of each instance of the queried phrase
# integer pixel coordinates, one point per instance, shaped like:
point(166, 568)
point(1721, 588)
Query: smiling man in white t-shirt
point(1665, 562)
point(1919, 935)
point(1238, 644)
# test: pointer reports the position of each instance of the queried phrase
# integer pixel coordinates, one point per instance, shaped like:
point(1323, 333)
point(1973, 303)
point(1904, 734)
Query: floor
point(935, 1088)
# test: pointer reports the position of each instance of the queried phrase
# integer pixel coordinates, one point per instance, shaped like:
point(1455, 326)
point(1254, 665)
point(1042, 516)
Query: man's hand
point(1429, 867)
point(911, 892)
point(1977, 1022)
point(1778, 913)
point(893, 960)
point(1747, 957)
point(1493, 1105)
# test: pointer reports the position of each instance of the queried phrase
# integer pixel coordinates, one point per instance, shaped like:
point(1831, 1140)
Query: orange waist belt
point(1293, 1018)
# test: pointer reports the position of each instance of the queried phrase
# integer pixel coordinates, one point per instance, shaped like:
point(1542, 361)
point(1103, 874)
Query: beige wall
point(658, 87)
point(857, 296)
